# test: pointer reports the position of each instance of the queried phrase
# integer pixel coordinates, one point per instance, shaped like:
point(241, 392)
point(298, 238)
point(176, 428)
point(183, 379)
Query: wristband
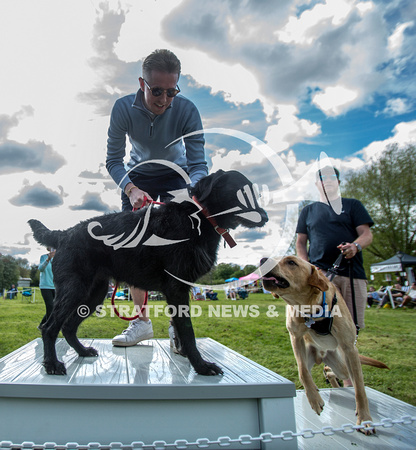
point(129, 191)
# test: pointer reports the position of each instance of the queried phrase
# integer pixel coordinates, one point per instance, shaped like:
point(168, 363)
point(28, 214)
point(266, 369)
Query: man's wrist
point(129, 187)
point(359, 248)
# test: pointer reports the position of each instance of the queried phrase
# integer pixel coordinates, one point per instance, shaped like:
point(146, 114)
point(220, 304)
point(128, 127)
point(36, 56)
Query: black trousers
point(48, 297)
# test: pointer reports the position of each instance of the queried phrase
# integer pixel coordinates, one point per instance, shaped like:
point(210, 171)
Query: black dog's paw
point(208, 368)
point(88, 351)
point(54, 367)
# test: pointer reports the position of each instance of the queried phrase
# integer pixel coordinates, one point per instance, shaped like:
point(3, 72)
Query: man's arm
point(301, 248)
point(365, 236)
point(364, 239)
point(116, 147)
point(195, 145)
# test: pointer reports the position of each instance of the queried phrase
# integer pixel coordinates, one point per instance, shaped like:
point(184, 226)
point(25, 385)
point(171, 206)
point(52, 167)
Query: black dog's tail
point(43, 235)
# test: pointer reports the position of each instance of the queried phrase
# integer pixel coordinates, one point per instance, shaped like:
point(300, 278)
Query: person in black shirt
point(332, 225)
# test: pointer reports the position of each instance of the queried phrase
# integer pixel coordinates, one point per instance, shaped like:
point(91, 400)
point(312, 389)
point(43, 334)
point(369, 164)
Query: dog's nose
point(263, 260)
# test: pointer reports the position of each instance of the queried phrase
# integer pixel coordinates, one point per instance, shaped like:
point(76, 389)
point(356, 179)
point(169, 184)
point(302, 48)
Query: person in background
point(411, 295)
point(329, 233)
point(47, 288)
point(372, 296)
point(12, 292)
point(211, 295)
point(154, 119)
point(396, 293)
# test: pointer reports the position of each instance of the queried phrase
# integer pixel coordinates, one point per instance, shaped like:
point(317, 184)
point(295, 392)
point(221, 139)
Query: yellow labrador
point(321, 329)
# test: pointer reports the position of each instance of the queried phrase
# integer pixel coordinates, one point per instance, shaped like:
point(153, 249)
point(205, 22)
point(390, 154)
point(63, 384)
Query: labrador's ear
point(318, 279)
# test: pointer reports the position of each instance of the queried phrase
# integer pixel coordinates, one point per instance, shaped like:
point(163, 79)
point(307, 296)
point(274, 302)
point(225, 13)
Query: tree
point(9, 272)
point(224, 271)
point(248, 269)
point(221, 272)
point(387, 189)
point(24, 267)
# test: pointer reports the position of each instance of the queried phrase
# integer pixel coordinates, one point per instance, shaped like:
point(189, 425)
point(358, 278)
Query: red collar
point(221, 231)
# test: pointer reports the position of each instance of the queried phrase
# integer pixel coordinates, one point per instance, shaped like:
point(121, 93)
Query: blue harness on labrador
point(324, 326)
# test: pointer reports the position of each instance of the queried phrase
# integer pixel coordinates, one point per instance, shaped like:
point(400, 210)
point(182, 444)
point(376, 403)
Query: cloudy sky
point(278, 85)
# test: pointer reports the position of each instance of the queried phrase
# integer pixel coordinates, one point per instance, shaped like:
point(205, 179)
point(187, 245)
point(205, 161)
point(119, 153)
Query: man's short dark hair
point(161, 60)
point(327, 170)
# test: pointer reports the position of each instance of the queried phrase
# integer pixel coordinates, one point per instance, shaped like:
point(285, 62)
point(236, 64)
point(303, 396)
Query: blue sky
point(304, 77)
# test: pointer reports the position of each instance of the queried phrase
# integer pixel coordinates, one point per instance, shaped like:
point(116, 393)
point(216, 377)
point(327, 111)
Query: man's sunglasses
point(157, 91)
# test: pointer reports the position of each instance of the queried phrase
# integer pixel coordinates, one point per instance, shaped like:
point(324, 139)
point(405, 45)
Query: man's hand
point(136, 196)
point(348, 250)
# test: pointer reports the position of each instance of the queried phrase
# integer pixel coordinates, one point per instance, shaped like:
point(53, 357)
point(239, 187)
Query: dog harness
point(324, 326)
point(221, 231)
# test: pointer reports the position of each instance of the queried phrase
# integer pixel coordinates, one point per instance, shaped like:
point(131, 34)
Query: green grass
point(389, 336)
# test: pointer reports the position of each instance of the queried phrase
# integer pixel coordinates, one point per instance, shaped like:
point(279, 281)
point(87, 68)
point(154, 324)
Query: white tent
point(397, 263)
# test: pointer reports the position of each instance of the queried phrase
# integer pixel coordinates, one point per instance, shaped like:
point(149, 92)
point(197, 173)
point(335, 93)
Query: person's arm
point(116, 151)
point(301, 246)
point(364, 239)
point(44, 261)
point(116, 146)
point(302, 234)
point(195, 151)
point(365, 236)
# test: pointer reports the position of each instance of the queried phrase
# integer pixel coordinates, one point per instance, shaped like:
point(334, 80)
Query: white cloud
point(309, 25)
point(363, 7)
point(142, 29)
point(403, 133)
point(333, 45)
point(397, 106)
point(289, 129)
point(237, 84)
point(46, 50)
point(334, 99)
point(396, 39)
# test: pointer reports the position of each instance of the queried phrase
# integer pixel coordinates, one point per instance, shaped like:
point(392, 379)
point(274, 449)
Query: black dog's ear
point(204, 186)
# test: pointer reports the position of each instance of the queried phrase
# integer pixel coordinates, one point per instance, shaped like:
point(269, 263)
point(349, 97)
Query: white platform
point(142, 393)
point(339, 410)
point(148, 393)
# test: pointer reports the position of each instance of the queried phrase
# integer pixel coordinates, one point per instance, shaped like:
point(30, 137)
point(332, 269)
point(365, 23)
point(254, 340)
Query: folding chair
point(390, 297)
point(27, 294)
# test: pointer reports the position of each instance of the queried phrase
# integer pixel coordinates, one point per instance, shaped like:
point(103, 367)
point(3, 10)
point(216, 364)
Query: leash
point(354, 306)
point(333, 271)
point(146, 296)
point(221, 231)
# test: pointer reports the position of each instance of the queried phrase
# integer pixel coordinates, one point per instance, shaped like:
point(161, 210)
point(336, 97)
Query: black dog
point(153, 249)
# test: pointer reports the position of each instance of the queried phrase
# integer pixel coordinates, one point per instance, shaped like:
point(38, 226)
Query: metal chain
point(223, 441)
